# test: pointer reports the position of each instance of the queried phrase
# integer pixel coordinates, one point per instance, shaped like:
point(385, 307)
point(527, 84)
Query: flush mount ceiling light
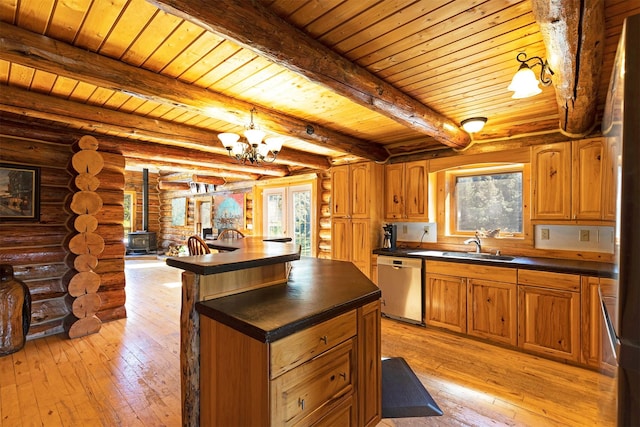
point(525, 83)
point(474, 124)
point(253, 150)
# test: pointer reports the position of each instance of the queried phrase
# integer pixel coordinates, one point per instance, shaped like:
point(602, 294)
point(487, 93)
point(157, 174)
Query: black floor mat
point(403, 395)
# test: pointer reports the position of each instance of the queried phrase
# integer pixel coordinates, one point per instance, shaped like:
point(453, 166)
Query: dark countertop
point(317, 290)
point(241, 253)
point(587, 268)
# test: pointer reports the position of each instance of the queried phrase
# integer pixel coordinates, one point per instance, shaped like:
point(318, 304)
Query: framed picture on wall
point(19, 192)
point(229, 211)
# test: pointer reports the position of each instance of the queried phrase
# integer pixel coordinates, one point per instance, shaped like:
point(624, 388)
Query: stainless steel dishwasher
point(400, 280)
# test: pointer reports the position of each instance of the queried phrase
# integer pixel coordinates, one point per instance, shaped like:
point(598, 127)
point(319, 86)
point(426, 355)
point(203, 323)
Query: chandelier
point(252, 150)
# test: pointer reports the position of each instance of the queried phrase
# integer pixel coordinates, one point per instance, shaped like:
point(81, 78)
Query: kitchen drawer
point(344, 414)
point(295, 349)
point(313, 386)
point(473, 271)
point(546, 279)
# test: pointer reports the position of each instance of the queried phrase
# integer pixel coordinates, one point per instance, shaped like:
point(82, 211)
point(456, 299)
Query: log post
point(83, 282)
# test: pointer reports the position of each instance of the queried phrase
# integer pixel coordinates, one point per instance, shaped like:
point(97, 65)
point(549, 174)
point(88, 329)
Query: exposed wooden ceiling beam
point(102, 120)
point(573, 34)
point(43, 53)
point(179, 160)
point(255, 27)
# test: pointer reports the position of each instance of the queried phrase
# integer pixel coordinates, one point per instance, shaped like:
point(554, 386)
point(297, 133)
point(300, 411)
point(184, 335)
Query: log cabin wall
point(324, 225)
point(37, 250)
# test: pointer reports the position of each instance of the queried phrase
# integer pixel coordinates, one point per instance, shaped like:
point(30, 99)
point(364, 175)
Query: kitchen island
point(268, 338)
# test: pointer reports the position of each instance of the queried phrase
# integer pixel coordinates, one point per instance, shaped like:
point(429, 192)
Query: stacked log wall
point(37, 251)
point(324, 224)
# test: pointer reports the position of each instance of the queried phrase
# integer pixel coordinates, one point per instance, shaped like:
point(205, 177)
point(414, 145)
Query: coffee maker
point(390, 235)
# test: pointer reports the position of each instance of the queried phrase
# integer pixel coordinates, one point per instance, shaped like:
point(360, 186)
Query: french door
point(287, 212)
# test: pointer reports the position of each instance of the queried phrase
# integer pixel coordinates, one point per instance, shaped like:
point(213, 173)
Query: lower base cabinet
point(549, 314)
point(492, 310)
point(328, 374)
point(446, 301)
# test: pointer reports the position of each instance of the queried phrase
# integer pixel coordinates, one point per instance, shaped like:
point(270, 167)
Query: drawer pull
point(323, 339)
point(301, 403)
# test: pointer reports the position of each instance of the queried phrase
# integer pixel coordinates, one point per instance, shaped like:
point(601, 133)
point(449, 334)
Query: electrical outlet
point(404, 229)
point(544, 234)
point(584, 235)
point(426, 230)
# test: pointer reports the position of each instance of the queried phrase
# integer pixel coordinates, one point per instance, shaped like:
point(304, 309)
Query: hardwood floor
point(129, 375)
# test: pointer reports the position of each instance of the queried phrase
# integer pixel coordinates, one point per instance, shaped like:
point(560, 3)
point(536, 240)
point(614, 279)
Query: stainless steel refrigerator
point(621, 125)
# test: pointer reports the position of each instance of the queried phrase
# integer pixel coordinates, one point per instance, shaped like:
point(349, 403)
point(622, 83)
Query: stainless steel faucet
point(475, 240)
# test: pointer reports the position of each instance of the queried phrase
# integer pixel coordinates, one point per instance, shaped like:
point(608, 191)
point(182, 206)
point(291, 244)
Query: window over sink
point(486, 199)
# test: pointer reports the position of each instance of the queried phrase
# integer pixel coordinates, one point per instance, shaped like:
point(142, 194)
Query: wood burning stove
point(142, 242)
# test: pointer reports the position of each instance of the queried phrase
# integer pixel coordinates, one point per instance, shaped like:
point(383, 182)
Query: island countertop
point(243, 253)
point(317, 290)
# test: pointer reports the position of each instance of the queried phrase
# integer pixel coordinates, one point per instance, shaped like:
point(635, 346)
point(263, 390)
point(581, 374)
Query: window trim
point(133, 208)
point(484, 169)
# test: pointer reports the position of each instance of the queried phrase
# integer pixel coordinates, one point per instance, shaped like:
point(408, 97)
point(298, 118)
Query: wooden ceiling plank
point(67, 17)
point(378, 36)
point(298, 52)
point(491, 41)
point(461, 51)
point(194, 54)
point(40, 52)
point(20, 75)
point(371, 15)
point(573, 33)
point(130, 24)
point(97, 24)
point(180, 40)
point(211, 61)
point(155, 33)
point(35, 16)
point(42, 81)
point(415, 37)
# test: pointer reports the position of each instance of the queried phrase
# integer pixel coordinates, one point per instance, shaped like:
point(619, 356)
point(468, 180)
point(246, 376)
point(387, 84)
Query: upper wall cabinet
point(406, 191)
point(574, 180)
point(352, 189)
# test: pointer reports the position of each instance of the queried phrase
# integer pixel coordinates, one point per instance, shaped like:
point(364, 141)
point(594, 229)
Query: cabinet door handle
point(323, 339)
point(343, 375)
point(301, 403)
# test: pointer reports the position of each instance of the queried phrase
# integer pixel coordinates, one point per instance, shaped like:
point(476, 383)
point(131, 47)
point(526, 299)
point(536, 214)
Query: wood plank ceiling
point(342, 79)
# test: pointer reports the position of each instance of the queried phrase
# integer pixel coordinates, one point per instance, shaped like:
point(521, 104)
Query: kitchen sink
point(472, 255)
point(478, 256)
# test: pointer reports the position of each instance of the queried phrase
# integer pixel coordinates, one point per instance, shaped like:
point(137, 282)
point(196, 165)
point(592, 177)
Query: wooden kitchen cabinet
point(596, 349)
point(445, 296)
point(492, 310)
point(356, 206)
point(326, 374)
point(406, 191)
point(587, 179)
point(610, 188)
point(549, 313)
point(551, 175)
point(574, 180)
point(351, 241)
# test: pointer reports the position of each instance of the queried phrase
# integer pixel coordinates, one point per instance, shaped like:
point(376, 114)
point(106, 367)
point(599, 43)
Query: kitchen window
point(488, 200)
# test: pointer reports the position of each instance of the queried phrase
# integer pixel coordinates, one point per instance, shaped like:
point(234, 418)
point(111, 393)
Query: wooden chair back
point(230, 233)
point(197, 246)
